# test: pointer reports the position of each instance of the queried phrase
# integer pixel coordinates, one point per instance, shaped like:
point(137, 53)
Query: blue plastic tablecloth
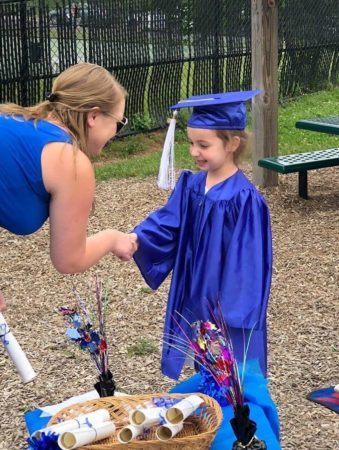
point(34, 422)
point(262, 410)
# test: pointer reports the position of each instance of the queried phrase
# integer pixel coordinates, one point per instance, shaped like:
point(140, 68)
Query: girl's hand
point(135, 242)
point(125, 245)
point(2, 302)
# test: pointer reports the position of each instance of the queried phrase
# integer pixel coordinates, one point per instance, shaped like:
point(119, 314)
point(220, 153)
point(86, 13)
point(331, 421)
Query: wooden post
point(265, 77)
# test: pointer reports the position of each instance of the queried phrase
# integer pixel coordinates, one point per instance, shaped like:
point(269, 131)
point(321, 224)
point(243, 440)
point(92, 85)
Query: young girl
point(214, 234)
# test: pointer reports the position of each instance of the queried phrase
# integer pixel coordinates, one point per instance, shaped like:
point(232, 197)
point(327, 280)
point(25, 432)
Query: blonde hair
point(226, 136)
point(75, 92)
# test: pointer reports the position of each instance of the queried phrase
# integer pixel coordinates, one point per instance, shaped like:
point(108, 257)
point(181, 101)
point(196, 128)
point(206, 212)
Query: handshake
point(126, 245)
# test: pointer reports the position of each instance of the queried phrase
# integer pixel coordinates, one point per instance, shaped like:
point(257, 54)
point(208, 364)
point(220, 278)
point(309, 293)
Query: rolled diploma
point(129, 433)
point(15, 352)
point(84, 436)
point(183, 409)
point(147, 416)
point(83, 420)
point(167, 431)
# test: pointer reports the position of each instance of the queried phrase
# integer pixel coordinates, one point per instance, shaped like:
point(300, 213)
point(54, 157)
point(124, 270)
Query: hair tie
point(51, 97)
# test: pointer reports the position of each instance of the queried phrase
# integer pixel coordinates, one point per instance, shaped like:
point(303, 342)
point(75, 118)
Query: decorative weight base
point(254, 444)
point(105, 387)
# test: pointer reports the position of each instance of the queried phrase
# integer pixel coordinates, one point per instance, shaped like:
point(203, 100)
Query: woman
point(45, 168)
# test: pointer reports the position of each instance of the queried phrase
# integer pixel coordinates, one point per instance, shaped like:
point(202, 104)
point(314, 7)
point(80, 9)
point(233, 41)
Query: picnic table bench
point(302, 162)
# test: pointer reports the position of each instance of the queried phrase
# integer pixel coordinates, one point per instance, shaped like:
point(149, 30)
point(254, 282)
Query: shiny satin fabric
point(219, 118)
point(221, 111)
point(219, 247)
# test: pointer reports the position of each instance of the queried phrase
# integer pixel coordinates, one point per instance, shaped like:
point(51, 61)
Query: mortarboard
point(222, 111)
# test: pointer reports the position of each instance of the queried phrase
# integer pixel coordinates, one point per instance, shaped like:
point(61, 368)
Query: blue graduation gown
point(219, 247)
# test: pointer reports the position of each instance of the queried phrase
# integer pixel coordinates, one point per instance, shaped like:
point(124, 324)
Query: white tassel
point(166, 176)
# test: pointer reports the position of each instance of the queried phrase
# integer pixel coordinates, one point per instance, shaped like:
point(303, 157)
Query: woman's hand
point(125, 246)
point(2, 302)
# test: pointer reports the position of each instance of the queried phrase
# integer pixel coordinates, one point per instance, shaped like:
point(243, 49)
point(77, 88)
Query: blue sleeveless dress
point(24, 201)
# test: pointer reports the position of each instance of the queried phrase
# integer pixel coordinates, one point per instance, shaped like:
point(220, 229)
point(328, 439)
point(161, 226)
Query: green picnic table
point(302, 162)
point(321, 124)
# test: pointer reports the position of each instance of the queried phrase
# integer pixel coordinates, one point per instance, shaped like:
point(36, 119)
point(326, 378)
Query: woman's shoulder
point(37, 124)
point(65, 154)
point(63, 163)
point(40, 130)
point(9, 122)
point(53, 130)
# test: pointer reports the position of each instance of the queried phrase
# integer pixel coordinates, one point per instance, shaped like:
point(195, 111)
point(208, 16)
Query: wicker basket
point(198, 432)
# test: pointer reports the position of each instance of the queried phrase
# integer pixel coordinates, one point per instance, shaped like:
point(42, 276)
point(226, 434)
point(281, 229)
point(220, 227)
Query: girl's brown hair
point(226, 136)
point(75, 92)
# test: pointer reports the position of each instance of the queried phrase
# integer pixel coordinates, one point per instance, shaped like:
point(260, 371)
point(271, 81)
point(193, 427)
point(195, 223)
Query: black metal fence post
point(161, 50)
point(217, 35)
point(24, 72)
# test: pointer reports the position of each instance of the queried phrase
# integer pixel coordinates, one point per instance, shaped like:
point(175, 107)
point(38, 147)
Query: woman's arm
point(69, 178)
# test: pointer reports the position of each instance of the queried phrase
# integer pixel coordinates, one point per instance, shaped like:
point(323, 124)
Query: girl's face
point(209, 151)
point(103, 127)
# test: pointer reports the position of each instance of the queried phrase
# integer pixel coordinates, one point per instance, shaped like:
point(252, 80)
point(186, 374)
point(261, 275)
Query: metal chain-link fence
point(161, 50)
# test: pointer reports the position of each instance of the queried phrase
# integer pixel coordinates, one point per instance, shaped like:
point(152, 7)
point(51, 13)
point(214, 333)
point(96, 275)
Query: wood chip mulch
point(303, 311)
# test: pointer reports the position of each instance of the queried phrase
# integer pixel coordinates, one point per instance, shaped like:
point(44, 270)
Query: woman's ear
point(92, 116)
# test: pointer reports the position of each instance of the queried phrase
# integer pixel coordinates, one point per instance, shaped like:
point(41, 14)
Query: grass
point(143, 162)
point(140, 155)
point(141, 348)
point(293, 140)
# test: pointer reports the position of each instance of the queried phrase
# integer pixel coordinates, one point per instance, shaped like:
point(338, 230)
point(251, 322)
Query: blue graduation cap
point(222, 111)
